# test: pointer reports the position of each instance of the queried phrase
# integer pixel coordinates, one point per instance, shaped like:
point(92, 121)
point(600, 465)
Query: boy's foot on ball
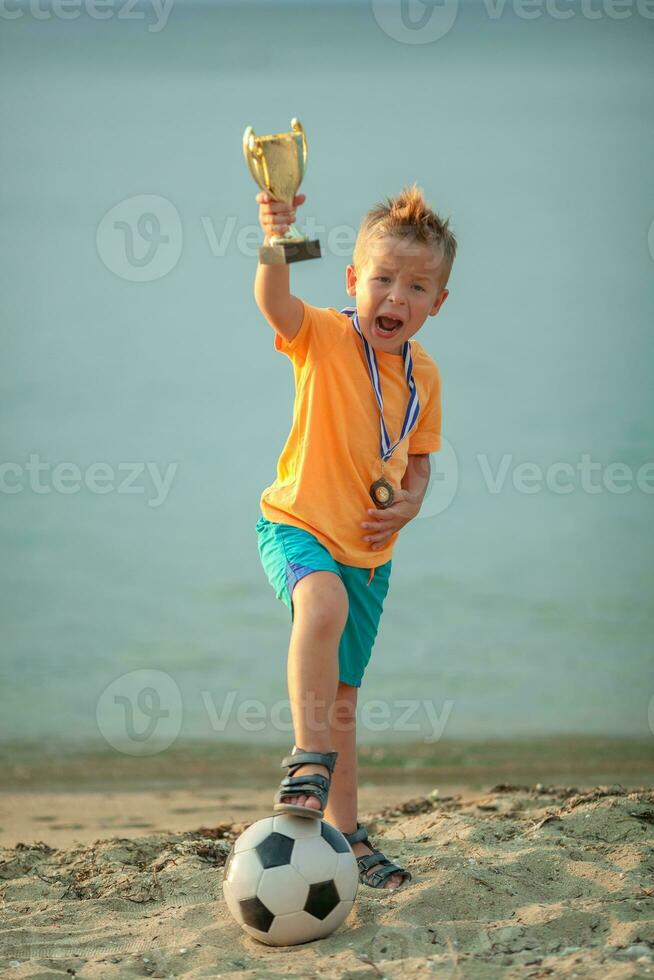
point(392, 881)
point(304, 799)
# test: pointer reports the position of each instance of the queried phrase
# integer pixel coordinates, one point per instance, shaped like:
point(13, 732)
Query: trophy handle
point(253, 151)
point(297, 127)
point(250, 143)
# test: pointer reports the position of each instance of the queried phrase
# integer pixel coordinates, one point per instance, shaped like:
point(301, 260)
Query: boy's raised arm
point(282, 310)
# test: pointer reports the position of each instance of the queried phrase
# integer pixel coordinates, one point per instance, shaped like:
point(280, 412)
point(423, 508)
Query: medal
point(381, 491)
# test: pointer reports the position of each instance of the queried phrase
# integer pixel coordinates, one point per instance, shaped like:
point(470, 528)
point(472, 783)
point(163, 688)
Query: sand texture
point(517, 882)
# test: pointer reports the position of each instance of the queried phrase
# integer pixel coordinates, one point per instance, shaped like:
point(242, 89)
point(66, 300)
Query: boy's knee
point(321, 603)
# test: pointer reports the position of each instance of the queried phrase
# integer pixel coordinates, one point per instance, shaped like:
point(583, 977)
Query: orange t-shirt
point(332, 453)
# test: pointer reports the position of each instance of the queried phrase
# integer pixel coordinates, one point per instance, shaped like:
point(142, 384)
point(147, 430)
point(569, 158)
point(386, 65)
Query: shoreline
point(68, 797)
point(474, 763)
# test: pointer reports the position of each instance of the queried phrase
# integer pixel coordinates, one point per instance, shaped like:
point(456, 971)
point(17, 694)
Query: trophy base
point(294, 250)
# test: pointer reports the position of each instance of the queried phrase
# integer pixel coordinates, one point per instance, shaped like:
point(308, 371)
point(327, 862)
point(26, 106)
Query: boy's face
point(398, 286)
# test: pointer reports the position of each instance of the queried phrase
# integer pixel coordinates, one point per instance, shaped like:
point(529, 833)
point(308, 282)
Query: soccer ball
point(290, 879)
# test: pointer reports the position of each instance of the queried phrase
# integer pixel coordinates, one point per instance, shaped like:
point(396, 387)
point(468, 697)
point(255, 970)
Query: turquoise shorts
point(289, 553)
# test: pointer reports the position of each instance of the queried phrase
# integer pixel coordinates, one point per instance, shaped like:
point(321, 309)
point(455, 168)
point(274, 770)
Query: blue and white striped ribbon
point(413, 407)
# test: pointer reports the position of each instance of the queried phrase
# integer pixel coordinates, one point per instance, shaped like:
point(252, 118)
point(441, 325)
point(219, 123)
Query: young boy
point(353, 472)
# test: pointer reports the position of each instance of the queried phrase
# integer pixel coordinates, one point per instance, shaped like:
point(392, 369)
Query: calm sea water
point(509, 611)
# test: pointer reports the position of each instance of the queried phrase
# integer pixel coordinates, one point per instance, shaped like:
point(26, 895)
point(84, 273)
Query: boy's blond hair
point(410, 218)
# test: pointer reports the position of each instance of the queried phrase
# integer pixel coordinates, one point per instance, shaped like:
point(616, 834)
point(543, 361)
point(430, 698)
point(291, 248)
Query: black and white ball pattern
point(290, 879)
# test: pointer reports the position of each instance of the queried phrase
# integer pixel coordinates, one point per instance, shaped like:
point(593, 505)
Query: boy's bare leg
point(324, 708)
point(320, 611)
point(342, 806)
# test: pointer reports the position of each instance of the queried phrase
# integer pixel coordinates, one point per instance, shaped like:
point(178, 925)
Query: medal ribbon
point(413, 406)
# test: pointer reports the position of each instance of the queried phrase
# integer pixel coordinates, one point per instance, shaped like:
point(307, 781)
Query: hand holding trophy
point(278, 163)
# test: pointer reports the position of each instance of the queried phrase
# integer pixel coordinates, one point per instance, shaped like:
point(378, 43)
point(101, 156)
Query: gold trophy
point(278, 163)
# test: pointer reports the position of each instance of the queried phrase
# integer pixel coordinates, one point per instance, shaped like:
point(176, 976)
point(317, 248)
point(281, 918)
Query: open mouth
point(386, 326)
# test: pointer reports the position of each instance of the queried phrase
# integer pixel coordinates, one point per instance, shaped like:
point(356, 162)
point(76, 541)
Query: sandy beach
point(513, 880)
